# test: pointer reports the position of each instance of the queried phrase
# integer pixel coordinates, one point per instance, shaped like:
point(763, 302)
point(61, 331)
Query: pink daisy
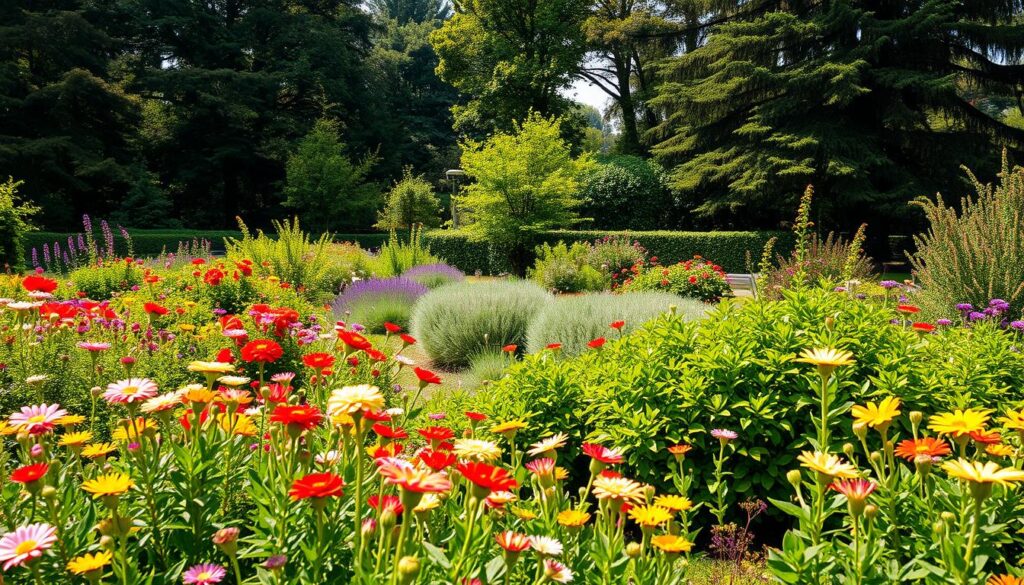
point(38, 418)
point(26, 543)
point(93, 346)
point(130, 390)
point(204, 574)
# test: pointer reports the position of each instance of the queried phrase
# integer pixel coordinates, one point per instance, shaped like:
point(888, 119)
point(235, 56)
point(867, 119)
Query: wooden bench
point(743, 283)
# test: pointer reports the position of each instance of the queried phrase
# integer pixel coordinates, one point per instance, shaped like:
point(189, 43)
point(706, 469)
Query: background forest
point(180, 113)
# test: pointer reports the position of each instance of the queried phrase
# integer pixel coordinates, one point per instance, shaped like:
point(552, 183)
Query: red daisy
point(487, 477)
point(388, 502)
point(30, 473)
point(155, 309)
point(908, 309)
point(436, 434)
point(426, 376)
point(475, 416)
point(923, 327)
point(553, 346)
point(262, 350)
point(618, 325)
point(436, 460)
point(354, 341)
point(301, 416)
point(389, 432)
point(510, 348)
point(316, 485)
point(319, 360)
point(407, 339)
point(392, 328)
point(602, 453)
point(596, 343)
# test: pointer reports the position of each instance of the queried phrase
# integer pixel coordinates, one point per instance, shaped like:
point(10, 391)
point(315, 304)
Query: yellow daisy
point(649, 516)
point(76, 439)
point(239, 424)
point(673, 502)
point(508, 428)
point(827, 466)
point(1014, 420)
point(826, 359)
point(618, 488)
point(210, 368)
point(1000, 450)
point(983, 473)
point(132, 431)
point(352, 399)
point(476, 450)
point(573, 518)
point(70, 420)
point(427, 503)
point(523, 513)
point(671, 543)
point(877, 416)
point(98, 450)
point(959, 422)
point(88, 563)
point(110, 484)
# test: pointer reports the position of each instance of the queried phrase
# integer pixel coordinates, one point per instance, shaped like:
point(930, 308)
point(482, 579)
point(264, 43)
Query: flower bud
point(916, 417)
point(876, 457)
point(388, 518)
point(830, 322)
point(870, 511)
point(96, 391)
point(938, 528)
point(923, 463)
point(860, 431)
point(369, 526)
point(633, 550)
point(226, 540)
point(848, 450)
point(948, 517)
point(795, 478)
point(408, 569)
point(107, 542)
point(49, 493)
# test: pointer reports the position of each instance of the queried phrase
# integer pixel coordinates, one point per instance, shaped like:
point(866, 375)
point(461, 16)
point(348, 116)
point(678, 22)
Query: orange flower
point(909, 449)
point(487, 477)
point(262, 350)
point(413, 479)
point(316, 485)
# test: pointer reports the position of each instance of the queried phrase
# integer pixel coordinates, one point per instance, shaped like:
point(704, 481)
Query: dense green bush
point(399, 255)
point(14, 225)
point(574, 321)
point(101, 281)
point(674, 381)
point(566, 269)
point(626, 193)
point(729, 249)
point(696, 279)
point(409, 203)
point(457, 321)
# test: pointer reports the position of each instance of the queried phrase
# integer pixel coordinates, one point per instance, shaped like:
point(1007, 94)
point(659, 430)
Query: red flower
point(198, 261)
point(436, 433)
point(30, 473)
point(475, 416)
point(354, 341)
point(618, 325)
point(436, 460)
point(986, 437)
point(155, 309)
point(487, 476)
point(908, 309)
point(923, 327)
point(596, 343)
point(375, 355)
point(510, 348)
point(244, 268)
point(319, 360)
point(230, 322)
point(262, 350)
point(316, 485)
point(426, 376)
point(602, 453)
point(692, 279)
point(59, 311)
point(36, 283)
point(390, 432)
point(225, 356)
point(301, 416)
point(377, 415)
point(392, 328)
point(407, 339)
point(553, 346)
point(388, 502)
point(213, 276)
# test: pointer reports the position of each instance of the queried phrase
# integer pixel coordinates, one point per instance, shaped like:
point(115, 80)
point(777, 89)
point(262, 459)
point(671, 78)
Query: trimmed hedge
point(727, 249)
point(152, 242)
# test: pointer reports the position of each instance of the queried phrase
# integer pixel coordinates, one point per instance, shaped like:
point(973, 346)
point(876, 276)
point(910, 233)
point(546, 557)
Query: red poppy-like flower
point(225, 356)
point(438, 434)
point(391, 327)
point(596, 343)
point(602, 453)
point(426, 376)
point(487, 476)
point(376, 355)
point(265, 351)
point(155, 309)
point(198, 261)
point(244, 267)
point(36, 283)
point(923, 327)
point(376, 416)
point(30, 473)
point(618, 325)
point(389, 432)
point(553, 346)
point(213, 276)
point(354, 341)
point(230, 322)
point(407, 339)
point(301, 416)
point(513, 542)
point(278, 393)
point(57, 311)
point(319, 360)
point(510, 348)
point(316, 485)
point(908, 309)
point(388, 502)
point(475, 416)
point(436, 460)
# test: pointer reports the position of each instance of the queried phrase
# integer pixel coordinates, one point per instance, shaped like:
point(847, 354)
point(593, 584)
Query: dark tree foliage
point(866, 99)
point(65, 129)
point(404, 11)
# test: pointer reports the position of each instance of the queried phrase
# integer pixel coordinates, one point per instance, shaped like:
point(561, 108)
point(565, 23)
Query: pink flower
point(204, 574)
point(37, 419)
point(724, 435)
point(130, 390)
point(93, 346)
point(26, 543)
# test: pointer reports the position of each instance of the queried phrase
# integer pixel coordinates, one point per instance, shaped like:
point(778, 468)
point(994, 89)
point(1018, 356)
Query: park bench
point(743, 283)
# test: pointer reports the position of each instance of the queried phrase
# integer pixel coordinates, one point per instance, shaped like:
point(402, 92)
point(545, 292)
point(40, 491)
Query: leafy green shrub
point(729, 249)
point(411, 202)
point(978, 255)
point(574, 321)
point(626, 193)
point(101, 281)
point(616, 253)
point(14, 225)
point(457, 321)
point(565, 269)
point(696, 279)
point(673, 381)
point(292, 256)
point(398, 256)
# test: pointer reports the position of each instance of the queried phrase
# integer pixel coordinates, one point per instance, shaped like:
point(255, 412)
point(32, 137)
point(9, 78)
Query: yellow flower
point(673, 502)
point(826, 359)
point(200, 395)
point(573, 518)
point(672, 544)
point(986, 473)
point(239, 424)
point(476, 450)
point(70, 420)
point(352, 399)
point(1014, 420)
point(618, 488)
point(98, 450)
point(132, 431)
point(649, 516)
point(561, 474)
point(427, 503)
point(827, 465)
point(508, 428)
point(959, 422)
point(187, 327)
point(211, 367)
point(75, 439)
point(877, 416)
point(88, 563)
point(110, 484)
point(523, 514)
point(1000, 450)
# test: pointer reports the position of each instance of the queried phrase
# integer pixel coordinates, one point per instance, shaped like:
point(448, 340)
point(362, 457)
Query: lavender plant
point(376, 301)
point(434, 275)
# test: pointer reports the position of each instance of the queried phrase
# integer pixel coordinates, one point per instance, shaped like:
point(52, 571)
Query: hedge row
point(728, 249)
point(152, 242)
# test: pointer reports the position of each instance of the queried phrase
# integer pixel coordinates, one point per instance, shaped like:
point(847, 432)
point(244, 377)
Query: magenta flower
point(204, 574)
point(93, 346)
point(37, 419)
point(724, 435)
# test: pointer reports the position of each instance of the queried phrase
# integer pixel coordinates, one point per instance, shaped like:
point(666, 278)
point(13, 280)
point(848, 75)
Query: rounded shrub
point(376, 301)
point(434, 275)
point(626, 193)
point(574, 321)
point(696, 278)
point(457, 321)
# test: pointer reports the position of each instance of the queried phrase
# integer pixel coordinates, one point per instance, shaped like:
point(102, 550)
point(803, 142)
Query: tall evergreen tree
point(65, 128)
point(863, 98)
